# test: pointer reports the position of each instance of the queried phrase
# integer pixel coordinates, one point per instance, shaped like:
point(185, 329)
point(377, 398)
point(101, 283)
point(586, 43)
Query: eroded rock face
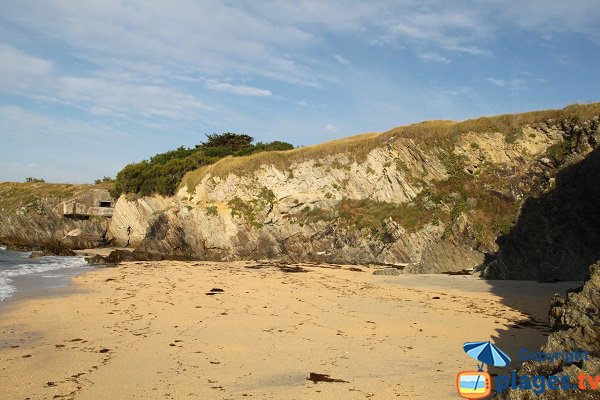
point(131, 219)
point(40, 225)
point(557, 234)
point(338, 209)
point(291, 215)
point(575, 322)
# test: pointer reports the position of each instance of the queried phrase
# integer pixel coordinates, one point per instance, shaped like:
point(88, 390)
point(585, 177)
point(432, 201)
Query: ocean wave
point(43, 264)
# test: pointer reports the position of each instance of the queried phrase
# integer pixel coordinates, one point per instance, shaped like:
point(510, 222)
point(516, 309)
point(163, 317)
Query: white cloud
point(241, 90)
point(331, 128)
point(514, 84)
point(442, 29)
point(16, 65)
point(548, 17)
point(99, 93)
point(339, 58)
point(20, 123)
point(430, 56)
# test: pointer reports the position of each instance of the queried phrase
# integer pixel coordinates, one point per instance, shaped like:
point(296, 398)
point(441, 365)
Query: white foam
point(41, 265)
point(6, 289)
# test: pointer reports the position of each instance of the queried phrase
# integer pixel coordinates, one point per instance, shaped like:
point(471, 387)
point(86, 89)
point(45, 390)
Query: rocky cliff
point(430, 197)
point(31, 217)
point(557, 235)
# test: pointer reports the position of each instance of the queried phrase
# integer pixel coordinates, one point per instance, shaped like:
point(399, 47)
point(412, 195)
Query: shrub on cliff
point(163, 172)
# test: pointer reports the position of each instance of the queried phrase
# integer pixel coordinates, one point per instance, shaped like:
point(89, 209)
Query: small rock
point(36, 254)
point(386, 271)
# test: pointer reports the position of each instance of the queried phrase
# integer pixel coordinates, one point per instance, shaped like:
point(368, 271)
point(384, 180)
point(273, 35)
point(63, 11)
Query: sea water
point(14, 264)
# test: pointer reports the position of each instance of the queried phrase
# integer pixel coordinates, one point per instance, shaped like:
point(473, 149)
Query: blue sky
point(89, 86)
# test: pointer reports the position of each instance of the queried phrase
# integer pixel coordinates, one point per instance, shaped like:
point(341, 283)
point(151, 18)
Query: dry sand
point(148, 330)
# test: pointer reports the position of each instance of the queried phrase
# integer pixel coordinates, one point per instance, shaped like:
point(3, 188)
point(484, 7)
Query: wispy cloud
point(430, 56)
point(339, 58)
point(331, 128)
point(99, 93)
point(241, 90)
point(548, 18)
point(20, 123)
point(514, 84)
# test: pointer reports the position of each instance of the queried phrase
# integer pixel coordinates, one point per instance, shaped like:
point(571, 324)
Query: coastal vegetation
point(163, 172)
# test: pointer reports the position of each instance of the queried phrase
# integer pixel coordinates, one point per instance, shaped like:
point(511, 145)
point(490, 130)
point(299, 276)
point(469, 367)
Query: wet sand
point(238, 330)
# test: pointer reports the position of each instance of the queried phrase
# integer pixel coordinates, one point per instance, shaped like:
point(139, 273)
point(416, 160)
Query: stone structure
point(95, 202)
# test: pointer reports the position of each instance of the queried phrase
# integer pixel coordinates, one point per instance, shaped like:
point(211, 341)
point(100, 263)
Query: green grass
point(211, 211)
point(250, 210)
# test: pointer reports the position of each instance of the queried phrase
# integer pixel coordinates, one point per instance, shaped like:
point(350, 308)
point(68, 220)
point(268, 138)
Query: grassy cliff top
point(18, 194)
point(430, 133)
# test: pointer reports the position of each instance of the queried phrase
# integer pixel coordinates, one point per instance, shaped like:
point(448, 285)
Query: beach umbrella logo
point(486, 353)
point(477, 384)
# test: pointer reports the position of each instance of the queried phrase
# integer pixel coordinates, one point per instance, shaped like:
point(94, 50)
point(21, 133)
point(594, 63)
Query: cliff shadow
point(557, 235)
point(549, 250)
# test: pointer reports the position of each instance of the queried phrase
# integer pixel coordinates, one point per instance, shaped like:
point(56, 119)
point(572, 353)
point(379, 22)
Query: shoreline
point(154, 330)
point(44, 284)
point(47, 282)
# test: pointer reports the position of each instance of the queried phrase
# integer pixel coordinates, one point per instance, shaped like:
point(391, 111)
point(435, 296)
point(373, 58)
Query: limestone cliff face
point(31, 217)
point(431, 204)
point(132, 218)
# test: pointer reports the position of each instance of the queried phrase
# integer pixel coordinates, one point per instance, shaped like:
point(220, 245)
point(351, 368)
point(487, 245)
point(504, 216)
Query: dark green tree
point(233, 141)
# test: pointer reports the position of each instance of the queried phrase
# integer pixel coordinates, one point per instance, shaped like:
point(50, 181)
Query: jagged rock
point(557, 235)
point(36, 254)
point(386, 271)
point(53, 248)
point(96, 260)
point(575, 322)
point(131, 219)
point(33, 225)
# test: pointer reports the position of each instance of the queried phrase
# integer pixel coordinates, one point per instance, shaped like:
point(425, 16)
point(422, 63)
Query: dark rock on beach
point(119, 256)
point(575, 322)
point(386, 271)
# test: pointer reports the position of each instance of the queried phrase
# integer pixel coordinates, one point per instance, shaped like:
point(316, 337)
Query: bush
point(163, 172)
point(229, 140)
point(106, 179)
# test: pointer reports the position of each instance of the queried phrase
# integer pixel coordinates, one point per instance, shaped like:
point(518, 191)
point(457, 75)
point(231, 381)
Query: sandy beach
point(234, 330)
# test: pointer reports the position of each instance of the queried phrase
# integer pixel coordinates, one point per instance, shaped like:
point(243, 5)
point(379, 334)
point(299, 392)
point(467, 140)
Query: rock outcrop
point(434, 196)
point(557, 235)
point(31, 218)
point(132, 218)
point(575, 322)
